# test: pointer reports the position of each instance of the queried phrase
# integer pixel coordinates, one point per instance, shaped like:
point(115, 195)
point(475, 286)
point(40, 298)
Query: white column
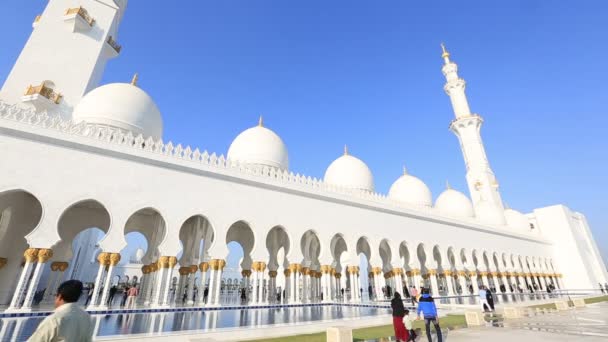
point(449, 282)
point(160, 280)
point(168, 284)
point(218, 284)
point(106, 287)
point(22, 285)
point(463, 283)
point(255, 285)
point(211, 296)
point(264, 277)
point(190, 295)
point(433, 279)
point(33, 286)
point(201, 292)
point(97, 286)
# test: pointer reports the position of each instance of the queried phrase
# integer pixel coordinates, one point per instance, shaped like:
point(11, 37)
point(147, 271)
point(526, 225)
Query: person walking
point(398, 312)
point(125, 292)
point(483, 300)
point(132, 296)
point(414, 295)
point(68, 322)
point(429, 311)
point(490, 299)
point(113, 290)
point(409, 326)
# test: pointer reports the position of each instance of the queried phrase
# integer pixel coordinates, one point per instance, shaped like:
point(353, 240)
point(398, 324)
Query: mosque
point(79, 155)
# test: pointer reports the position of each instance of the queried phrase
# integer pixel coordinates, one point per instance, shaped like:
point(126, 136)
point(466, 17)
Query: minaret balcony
point(78, 19)
point(42, 97)
point(113, 47)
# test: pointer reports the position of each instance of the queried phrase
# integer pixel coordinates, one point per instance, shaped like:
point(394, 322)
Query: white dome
point(123, 106)
point(350, 172)
point(488, 213)
point(137, 256)
point(411, 190)
point(261, 146)
point(517, 220)
point(454, 203)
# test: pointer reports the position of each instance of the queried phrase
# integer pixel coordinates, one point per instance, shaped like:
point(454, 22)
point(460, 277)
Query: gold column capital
point(3, 262)
point(272, 274)
point(305, 271)
point(287, 273)
point(172, 261)
point(294, 267)
point(432, 272)
point(193, 268)
point(114, 259)
point(30, 254)
point(203, 266)
point(217, 264)
point(44, 255)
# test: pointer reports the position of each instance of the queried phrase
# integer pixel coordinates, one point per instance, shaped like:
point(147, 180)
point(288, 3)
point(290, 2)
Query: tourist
point(131, 296)
point(68, 322)
point(483, 299)
point(414, 295)
point(206, 294)
point(113, 290)
point(123, 302)
point(409, 326)
point(398, 312)
point(601, 288)
point(90, 293)
point(490, 299)
point(605, 286)
point(429, 311)
point(471, 289)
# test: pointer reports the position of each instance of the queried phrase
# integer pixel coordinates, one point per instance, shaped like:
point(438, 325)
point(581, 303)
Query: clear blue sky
point(367, 74)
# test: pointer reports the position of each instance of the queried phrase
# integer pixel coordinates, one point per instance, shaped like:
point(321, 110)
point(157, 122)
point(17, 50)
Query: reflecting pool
point(19, 329)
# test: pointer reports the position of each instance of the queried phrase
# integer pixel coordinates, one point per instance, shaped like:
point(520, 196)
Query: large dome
point(411, 190)
point(454, 203)
point(350, 172)
point(261, 146)
point(123, 106)
point(517, 220)
point(488, 213)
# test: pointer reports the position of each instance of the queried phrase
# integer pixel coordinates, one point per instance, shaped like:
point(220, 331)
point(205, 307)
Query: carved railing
point(83, 13)
point(212, 162)
point(114, 44)
point(45, 91)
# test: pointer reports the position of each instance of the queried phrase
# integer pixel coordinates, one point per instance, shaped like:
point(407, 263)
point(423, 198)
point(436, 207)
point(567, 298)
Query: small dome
point(454, 203)
point(350, 172)
point(517, 220)
point(137, 256)
point(488, 213)
point(261, 146)
point(123, 106)
point(411, 190)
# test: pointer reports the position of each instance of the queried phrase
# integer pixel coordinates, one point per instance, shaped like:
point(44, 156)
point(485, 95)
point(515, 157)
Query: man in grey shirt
point(69, 322)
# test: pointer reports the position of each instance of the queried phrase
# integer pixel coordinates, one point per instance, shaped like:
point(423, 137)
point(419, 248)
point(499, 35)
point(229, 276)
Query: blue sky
point(368, 74)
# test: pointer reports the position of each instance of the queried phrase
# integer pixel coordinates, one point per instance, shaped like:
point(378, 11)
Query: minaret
point(467, 126)
point(66, 54)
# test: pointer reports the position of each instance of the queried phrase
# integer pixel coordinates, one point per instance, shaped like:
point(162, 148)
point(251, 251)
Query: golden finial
point(135, 79)
point(404, 170)
point(445, 53)
point(345, 149)
point(261, 121)
point(447, 185)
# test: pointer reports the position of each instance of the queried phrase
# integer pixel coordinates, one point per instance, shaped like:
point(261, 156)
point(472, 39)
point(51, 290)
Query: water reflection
point(19, 329)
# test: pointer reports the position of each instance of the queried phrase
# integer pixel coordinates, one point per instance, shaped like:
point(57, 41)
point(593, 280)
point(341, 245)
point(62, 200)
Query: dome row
point(127, 107)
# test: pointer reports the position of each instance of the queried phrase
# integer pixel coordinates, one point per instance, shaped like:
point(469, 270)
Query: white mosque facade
point(78, 155)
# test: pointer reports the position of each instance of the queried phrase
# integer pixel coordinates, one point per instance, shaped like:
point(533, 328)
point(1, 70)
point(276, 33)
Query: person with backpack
point(401, 334)
point(426, 305)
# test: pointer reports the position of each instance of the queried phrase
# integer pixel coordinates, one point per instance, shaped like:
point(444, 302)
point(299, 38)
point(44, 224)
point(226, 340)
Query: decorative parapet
point(44, 91)
point(114, 44)
point(83, 13)
point(204, 160)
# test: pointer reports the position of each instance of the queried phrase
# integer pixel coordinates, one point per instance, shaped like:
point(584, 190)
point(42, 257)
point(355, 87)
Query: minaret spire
point(261, 121)
point(467, 126)
point(445, 55)
point(135, 79)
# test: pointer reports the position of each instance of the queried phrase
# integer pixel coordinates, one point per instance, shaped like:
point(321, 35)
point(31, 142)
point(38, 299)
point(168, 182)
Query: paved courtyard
point(586, 324)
